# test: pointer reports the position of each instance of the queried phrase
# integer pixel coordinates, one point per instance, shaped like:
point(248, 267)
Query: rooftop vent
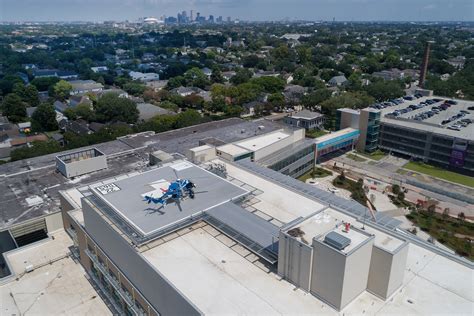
point(337, 241)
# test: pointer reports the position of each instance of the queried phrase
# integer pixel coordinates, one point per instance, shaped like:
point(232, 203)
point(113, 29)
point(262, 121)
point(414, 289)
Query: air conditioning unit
point(29, 268)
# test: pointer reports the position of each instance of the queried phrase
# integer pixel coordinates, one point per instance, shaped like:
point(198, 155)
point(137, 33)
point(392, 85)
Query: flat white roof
point(326, 221)
point(201, 148)
point(265, 140)
point(220, 277)
point(233, 150)
point(220, 281)
point(357, 238)
point(383, 240)
point(275, 201)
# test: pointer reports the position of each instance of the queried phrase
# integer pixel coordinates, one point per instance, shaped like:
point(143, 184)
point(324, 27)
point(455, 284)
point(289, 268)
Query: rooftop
point(260, 142)
point(433, 124)
point(38, 177)
point(306, 115)
point(125, 196)
point(237, 282)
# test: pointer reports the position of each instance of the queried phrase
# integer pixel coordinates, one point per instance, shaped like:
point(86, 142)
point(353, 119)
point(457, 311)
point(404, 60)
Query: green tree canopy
point(112, 108)
point(62, 89)
point(44, 118)
point(242, 76)
point(385, 90)
point(14, 108)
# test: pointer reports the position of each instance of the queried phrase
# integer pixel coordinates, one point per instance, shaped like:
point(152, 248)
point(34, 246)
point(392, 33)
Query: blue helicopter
point(177, 190)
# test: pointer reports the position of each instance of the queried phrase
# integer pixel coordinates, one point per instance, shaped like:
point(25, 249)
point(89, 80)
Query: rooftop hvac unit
point(337, 241)
point(29, 268)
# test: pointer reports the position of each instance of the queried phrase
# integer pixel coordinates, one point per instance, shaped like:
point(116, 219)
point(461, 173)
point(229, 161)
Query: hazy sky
point(347, 10)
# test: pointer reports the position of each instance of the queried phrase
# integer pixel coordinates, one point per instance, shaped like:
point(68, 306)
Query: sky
point(254, 10)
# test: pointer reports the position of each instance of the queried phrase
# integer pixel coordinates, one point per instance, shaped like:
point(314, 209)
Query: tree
point(134, 88)
point(176, 82)
point(28, 94)
point(112, 108)
point(14, 108)
point(44, 118)
point(396, 189)
point(196, 78)
point(216, 76)
point(446, 213)
point(352, 100)
point(43, 84)
point(316, 97)
point(37, 149)
point(269, 84)
point(277, 100)
point(187, 118)
point(85, 112)
point(461, 216)
point(241, 76)
point(62, 89)
point(385, 90)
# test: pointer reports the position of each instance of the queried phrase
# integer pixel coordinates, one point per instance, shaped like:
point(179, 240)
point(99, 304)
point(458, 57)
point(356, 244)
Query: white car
point(333, 190)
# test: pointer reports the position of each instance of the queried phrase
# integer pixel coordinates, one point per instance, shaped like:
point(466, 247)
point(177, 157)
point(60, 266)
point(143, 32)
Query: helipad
point(124, 196)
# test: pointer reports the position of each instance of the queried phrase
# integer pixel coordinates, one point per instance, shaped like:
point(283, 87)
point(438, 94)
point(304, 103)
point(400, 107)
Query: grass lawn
point(355, 158)
point(376, 155)
point(315, 133)
point(315, 173)
point(447, 230)
point(440, 173)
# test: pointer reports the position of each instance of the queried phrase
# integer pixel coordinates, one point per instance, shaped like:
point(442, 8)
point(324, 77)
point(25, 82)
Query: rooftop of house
point(306, 115)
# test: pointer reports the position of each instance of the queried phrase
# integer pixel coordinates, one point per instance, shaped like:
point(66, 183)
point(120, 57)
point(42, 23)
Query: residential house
point(185, 91)
point(144, 77)
point(390, 74)
point(100, 69)
point(61, 74)
point(305, 119)
point(227, 75)
point(457, 62)
point(207, 72)
point(294, 93)
point(157, 85)
point(75, 100)
point(84, 86)
point(60, 106)
point(24, 127)
point(121, 93)
point(338, 81)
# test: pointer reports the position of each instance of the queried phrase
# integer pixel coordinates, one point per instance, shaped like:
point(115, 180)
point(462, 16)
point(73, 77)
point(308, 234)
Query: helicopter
point(177, 190)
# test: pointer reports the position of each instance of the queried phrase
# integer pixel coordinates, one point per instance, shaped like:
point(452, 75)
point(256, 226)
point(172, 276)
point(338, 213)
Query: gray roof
point(148, 111)
point(338, 79)
point(306, 114)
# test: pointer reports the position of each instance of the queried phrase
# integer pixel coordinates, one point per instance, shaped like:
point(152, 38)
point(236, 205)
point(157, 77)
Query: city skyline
point(246, 10)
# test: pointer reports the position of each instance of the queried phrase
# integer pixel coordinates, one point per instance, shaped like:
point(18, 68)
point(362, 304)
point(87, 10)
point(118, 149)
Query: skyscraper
point(191, 16)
